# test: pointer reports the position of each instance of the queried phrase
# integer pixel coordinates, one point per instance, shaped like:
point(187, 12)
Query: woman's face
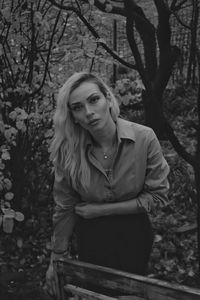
point(90, 108)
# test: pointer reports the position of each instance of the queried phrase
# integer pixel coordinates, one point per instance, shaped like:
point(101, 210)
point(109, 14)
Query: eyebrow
point(88, 98)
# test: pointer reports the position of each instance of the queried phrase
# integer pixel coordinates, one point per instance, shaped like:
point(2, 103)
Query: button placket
point(109, 186)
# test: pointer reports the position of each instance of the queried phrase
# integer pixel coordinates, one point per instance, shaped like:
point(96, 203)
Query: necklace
point(108, 154)
point(105, 154)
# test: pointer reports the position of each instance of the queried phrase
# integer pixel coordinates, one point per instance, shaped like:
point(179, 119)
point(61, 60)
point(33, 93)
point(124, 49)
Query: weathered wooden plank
point(86, 294)
point(124, 283)
point(90, 295)
point(129, 297)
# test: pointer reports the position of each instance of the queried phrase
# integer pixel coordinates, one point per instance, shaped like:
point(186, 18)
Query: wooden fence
point(91, 282)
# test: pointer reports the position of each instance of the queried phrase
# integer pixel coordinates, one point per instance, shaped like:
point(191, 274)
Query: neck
point(106, 138)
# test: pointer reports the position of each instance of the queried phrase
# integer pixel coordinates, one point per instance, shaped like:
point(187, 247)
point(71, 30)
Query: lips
point(93, 122)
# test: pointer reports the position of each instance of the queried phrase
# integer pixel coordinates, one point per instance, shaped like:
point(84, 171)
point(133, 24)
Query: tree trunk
point(192, 58)
point(154, 114)
point(197, 180)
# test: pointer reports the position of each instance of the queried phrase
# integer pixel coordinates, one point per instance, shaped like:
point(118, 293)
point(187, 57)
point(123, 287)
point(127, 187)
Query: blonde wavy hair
point(68, 146)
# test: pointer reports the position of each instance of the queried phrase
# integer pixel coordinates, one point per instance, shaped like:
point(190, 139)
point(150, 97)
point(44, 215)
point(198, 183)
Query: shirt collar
point(125, 130)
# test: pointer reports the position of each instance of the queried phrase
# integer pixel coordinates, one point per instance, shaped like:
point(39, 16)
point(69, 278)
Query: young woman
point(109, 174)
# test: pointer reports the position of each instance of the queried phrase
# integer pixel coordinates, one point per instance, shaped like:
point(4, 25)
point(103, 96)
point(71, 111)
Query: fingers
point(80, 204)
point(56, 287)
point(50, 287)
point(79, 210)
point(48, 290)
point(51, 282)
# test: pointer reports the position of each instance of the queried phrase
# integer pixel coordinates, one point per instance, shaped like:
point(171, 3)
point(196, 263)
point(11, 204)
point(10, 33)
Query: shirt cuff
point(59, 256)
point(145, 201)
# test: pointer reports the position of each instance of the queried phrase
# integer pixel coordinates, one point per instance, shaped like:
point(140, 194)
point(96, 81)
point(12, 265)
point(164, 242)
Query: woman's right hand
point(51, 281)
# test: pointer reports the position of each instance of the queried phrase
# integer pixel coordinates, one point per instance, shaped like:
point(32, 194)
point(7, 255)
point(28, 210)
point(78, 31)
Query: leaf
point(48, 246)
point(9, 196)
point(7, 204)
point(8, 224)
point(2, 165)
point(108, 8)
point(48, 133)
point(8, 103)
point(19, 242)
point(157, 238)
point(22, 261)
point(7, 183)
point(20, 125)
point(50, 84)
point(6, 13)
point(126, 100)
point(13, 115)
point(91, 2)
point(186, 228)
point(23, 115)
point(10, 133)
point(1, 50)
point(181, 270)
point(19, 216)
point(191, 273)
point(2, 127)
point(5, 155)
point(9, 212)
point(102, 41)
point(37, 17)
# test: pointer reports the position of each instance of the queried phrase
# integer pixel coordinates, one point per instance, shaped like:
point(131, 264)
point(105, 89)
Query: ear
point(109, 99)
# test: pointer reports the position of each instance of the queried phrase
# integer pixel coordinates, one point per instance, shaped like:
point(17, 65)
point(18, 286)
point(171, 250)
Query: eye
point(94, 99)
point(77, 107)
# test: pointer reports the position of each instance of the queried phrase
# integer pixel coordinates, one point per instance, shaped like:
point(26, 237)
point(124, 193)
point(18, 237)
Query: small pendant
point(105, 155)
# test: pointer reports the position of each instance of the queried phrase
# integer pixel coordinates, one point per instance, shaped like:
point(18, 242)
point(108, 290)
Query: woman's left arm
point(156, 185)
point(154, 192)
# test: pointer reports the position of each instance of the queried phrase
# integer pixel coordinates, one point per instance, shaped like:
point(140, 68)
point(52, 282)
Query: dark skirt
point(122, 242)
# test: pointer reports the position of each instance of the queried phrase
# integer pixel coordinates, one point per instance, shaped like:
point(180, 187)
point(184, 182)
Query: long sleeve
point(64, 217)
point(156, 185)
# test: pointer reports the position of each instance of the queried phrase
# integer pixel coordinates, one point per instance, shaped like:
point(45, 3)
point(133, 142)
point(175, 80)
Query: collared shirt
point(139, 172)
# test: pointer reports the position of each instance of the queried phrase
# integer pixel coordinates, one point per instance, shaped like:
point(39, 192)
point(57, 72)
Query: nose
point(88, 110)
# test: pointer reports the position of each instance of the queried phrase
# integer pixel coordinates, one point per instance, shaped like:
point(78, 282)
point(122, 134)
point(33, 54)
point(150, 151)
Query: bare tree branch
point(177, 145)
point(179, 20)
point(168, 53)
point(117, 7)
point(111, 52)
point(179, 5)
point(131, 39)
point(163, 30)
point(146, 31)
point(32, 50)
point(63, 30)
point(94, 33)
point(48, 55)
point(143, 26)
point(198, 105)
